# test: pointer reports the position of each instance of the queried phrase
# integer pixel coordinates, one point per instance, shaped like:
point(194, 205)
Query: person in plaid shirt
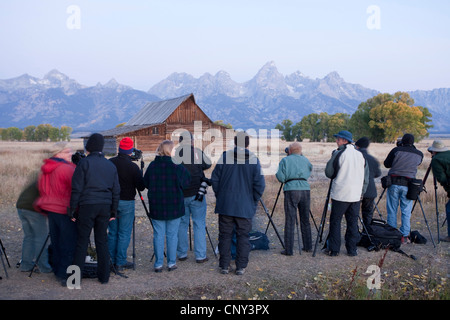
point(165, 182)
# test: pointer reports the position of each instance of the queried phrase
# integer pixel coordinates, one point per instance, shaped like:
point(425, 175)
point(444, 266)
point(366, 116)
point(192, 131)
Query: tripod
point(3, 252)
point(39, 255)
point(322, 220)
point(275, 204)
point(296, 220)
point(420, 202)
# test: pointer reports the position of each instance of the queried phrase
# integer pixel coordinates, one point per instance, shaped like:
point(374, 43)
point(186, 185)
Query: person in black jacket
point(196, 162)
point(367, 202)
point(94, 202)
point(119, 230)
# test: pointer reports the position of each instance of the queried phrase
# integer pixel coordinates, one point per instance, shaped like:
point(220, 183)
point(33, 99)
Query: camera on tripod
point(136, 155)
point(205, 182)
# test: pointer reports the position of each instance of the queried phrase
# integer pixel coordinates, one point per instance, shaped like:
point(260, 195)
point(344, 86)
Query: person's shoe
point(127, 265)
point(333, 253)
point(405, 240)
point(182, 258)
point(352, 254)
point(240, 271)
point(224, 270)
point(201, 260)
point(158, 269)
point(174, 267)
point(446, 239)
point(286, 254)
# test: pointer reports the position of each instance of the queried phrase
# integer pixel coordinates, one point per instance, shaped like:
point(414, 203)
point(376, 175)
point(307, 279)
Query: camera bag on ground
point(416, 237)
point(259, 241)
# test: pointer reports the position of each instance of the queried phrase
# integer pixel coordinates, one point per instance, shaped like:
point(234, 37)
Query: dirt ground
point(269, 275)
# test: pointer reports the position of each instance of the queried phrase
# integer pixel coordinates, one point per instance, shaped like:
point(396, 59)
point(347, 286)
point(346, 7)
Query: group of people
point(352, 170)
point(99, 194)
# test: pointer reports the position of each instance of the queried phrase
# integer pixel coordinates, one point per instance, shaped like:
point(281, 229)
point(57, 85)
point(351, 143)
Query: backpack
point(381, 236)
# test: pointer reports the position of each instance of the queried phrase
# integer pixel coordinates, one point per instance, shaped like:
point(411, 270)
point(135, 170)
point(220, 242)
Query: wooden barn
point(165, 120)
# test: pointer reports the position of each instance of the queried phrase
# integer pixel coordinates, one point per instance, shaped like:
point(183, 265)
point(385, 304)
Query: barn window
point(155, 130)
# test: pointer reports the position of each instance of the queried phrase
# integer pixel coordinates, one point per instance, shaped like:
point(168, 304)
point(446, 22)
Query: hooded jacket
point(55, 185)
point(238, 183)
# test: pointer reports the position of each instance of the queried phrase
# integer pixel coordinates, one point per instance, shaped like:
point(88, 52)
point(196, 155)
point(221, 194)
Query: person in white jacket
point(350, 177)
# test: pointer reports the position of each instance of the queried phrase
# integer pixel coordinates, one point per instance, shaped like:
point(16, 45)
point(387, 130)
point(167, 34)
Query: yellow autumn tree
point(398, 118)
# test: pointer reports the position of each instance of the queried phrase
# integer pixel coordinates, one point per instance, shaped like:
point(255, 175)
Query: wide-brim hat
point(437, 146)
point(344, 134)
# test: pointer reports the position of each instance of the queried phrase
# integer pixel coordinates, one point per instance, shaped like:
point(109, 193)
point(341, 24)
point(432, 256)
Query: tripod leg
point(210, 241)
point(4, 252)
point(39, 256)
point(3, 262)
point(437, 209)
point(426, 222)
point(271, 221)
point(319, 233)
point(314, 221)
point(274, 206)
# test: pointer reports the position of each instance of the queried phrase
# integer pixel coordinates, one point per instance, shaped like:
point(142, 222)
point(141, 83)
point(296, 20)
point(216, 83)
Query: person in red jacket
point(55, 187)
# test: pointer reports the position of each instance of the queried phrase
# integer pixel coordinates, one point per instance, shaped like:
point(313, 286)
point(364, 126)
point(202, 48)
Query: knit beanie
point(126, 146)
point(95, 143)
point(362, 142)
point(408, 139)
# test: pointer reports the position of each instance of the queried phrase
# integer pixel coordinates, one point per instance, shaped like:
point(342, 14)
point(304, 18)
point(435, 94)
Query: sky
point(382, 45)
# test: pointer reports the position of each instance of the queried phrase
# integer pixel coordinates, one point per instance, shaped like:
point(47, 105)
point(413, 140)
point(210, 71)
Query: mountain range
point(262, 102)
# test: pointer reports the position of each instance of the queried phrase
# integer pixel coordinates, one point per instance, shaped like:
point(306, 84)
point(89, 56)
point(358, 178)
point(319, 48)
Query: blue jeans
point(165, 230)
point(198, 211)
point(35, 229)
point(119, 232)
point(396, 195)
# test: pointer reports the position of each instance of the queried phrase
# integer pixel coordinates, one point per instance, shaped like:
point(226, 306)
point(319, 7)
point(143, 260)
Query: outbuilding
point(166, 120)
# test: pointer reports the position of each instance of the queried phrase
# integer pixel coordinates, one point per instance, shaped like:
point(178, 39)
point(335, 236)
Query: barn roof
point(151, 114)
point(157, 112)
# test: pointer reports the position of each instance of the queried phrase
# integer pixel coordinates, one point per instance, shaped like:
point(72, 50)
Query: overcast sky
point(382, 45)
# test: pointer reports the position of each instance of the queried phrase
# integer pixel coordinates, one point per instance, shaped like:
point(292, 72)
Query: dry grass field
point(270, 276)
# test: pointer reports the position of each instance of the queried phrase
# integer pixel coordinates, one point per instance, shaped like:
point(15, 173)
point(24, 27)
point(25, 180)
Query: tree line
point(42, 132)
point(382, 118)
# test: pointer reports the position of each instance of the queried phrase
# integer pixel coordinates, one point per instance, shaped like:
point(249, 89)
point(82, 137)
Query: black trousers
point(352, 236)
point(367, 206)
point(297, 200)
point(242, 227)
point(94, 217)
